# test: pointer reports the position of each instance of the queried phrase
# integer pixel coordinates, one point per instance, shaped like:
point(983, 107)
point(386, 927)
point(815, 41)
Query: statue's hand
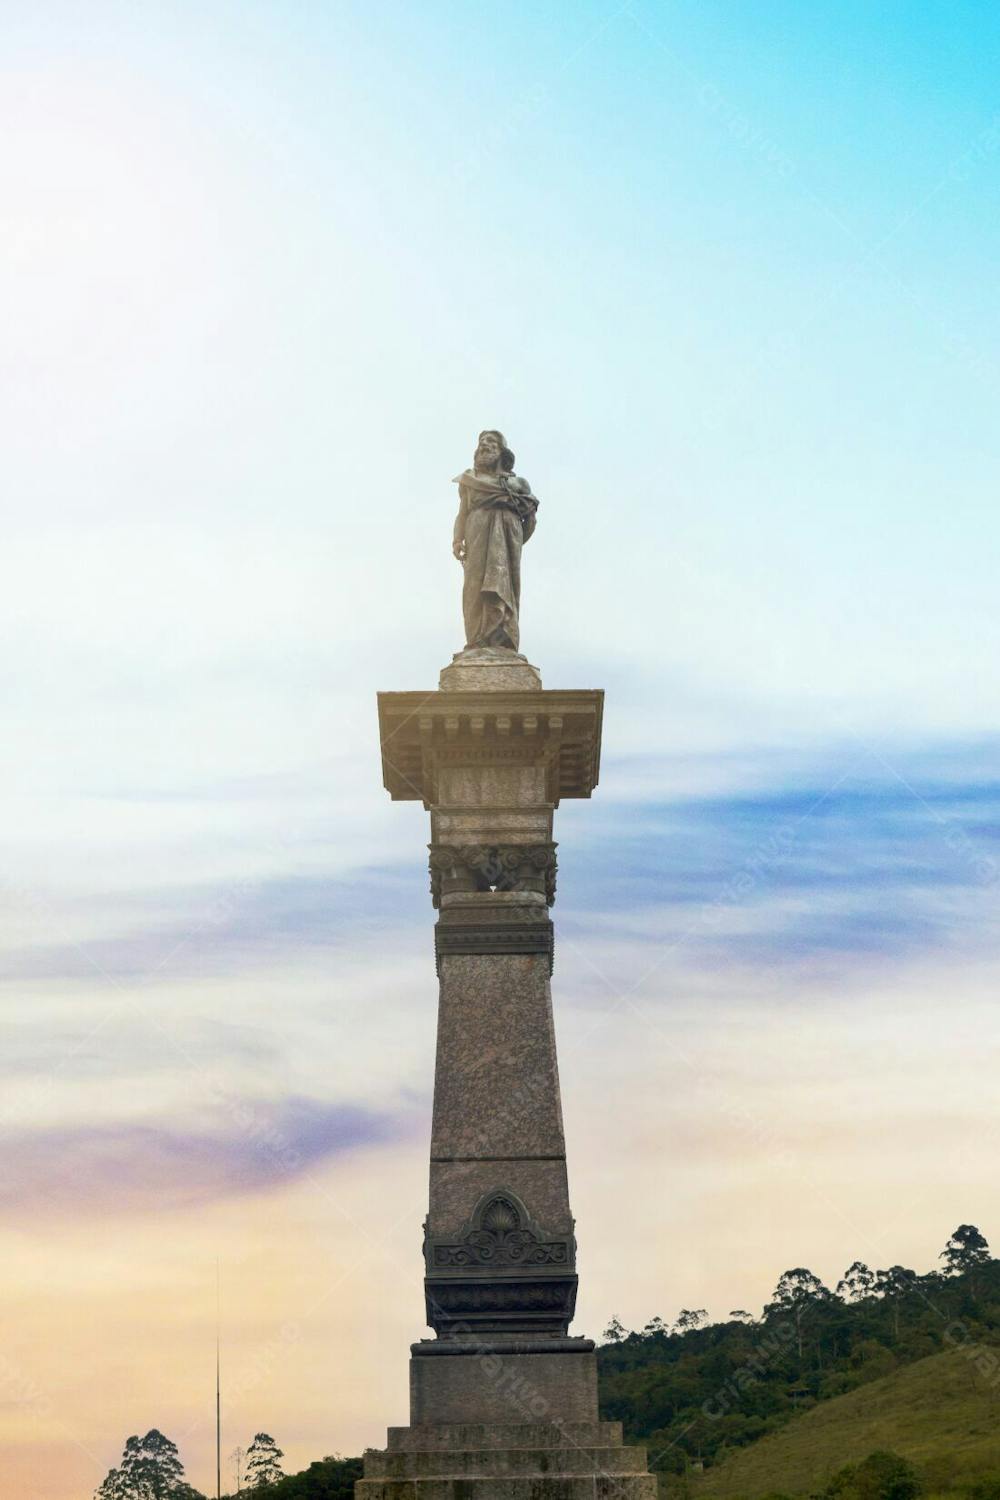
point(458, 548)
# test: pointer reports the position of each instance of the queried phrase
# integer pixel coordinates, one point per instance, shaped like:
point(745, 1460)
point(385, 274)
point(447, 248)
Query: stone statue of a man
point(496, 516)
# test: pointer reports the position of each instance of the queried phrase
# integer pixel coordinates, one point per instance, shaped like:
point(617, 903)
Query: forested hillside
point(695, 1391)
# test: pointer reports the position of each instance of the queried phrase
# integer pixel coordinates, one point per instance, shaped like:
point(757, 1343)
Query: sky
point(725, 276)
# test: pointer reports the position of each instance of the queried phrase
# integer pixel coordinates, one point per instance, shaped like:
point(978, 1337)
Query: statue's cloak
point(499, 517)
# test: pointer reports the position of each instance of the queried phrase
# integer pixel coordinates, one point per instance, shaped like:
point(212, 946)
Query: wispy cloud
point(226, 925)
point(821, 854)
point(164, 1165)
point(867, 861)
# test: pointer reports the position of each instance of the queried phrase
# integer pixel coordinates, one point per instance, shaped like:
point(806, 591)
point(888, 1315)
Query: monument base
point(503, 1380)
point(507, 1461)
point(505, 1419)
point(503, 1401)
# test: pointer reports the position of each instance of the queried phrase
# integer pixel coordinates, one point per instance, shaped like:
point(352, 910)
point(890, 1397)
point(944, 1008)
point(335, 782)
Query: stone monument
point(503, 1399)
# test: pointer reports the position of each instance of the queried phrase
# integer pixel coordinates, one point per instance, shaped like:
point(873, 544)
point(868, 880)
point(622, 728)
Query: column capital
point(426, 735)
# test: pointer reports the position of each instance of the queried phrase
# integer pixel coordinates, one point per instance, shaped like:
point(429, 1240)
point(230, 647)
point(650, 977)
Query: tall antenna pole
point(218, 1388)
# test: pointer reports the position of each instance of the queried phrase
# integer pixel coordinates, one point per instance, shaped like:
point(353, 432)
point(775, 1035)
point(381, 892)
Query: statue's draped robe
point(496, 517)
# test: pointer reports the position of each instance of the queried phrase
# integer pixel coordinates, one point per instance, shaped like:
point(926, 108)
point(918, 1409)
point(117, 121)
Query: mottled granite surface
point(504, 1388)
point(496, 1085)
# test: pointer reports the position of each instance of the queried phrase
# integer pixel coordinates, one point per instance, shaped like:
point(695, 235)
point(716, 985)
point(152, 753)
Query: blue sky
point(725, 276)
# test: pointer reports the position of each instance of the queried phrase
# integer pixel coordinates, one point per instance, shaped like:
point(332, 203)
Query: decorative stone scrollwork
point(501, 1272)
point(500, 1237)
point(493, 867)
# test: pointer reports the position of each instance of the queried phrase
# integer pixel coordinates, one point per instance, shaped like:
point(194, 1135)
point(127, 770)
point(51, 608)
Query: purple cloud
point(141, 1167)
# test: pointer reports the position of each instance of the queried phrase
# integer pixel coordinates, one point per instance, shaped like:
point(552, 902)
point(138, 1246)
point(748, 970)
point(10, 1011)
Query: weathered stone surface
point(490, 867)
point(490, 1302)
point(489, 669)
point(425, 736)
point(497, 1119)
point(549, 1486)
point(460, 1345)
point(464, 1436)
point(525, 937)
point(495, 1387)
point(457, 1186)
point(501, 1234)
point(502, 1273)
point(493, 906)
point(497, 1111)
point(559, 1460)
point(496, 908)
point(504, 825)
point(496, 1083)
point(503, 1402)
point(476, 1463)
point(491, 785)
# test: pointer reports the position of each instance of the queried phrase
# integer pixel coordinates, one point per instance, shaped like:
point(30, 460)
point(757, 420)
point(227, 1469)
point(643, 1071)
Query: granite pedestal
point(502, 1399)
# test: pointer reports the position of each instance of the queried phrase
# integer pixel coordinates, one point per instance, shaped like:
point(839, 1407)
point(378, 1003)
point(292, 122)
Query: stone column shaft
point(503, 1400)
point(490, 755)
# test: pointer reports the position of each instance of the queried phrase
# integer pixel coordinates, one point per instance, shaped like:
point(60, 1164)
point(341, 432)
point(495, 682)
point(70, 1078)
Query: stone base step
point(465, 1436)
point(480, 1463)
point(512, 1487)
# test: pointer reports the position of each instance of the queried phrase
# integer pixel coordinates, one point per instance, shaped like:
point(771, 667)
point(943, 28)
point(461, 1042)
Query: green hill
point(940, 1413)
point(696, 1392)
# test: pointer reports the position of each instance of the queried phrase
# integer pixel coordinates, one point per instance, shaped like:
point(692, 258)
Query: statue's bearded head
point(492, 453)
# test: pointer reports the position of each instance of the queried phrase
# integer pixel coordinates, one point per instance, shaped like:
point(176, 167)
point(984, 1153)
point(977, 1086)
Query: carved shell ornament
point(501, 1216)
point(500, 1236)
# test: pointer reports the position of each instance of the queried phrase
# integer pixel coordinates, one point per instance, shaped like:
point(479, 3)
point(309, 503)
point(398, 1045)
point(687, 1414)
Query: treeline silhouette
point(151, 1469)
point(330, 1478)
point(693, 1391)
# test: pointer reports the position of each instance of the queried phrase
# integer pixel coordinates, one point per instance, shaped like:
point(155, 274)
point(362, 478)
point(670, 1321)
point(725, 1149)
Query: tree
point(894, 1285)
point(740, 1315)
point(690, 1318)
point(798, 1293)
point(329, 1478)
point(615, 1332)
point(263, 1461)
point(152, 1465)
point(857, 1283)
point(237, 1460)
point(150, 1469)
point(967, 1250)
point(112, 1487)
point(653, 1327)
point(882, 1476)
